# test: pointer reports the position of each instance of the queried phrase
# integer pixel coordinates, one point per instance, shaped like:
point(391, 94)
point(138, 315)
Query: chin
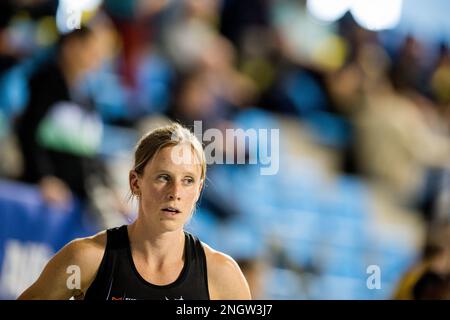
point(170, 226)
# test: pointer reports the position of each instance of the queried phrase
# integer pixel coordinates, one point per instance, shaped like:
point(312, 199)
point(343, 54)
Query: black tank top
point(118, 279)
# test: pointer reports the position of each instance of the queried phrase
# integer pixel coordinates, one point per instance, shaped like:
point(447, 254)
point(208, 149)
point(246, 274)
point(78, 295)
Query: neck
point(159, 247)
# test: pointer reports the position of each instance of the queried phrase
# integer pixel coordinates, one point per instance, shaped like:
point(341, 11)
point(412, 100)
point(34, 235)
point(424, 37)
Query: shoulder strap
point(117, 238)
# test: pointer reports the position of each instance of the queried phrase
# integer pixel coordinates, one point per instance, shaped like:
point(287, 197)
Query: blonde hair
point(167, 136)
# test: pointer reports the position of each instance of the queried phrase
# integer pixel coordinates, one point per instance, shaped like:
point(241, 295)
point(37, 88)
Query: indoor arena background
point(360, 94)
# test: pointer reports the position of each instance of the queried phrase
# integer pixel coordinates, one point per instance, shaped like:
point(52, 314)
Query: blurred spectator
point(396, 142)
point(387, 117)
point(440, 84)
point(432, 286)
point(188, 34)
point(7, 58)
point(60, 130)
point(208, 87)
point(239, 18)
point(409, 70)
point(134, 22)
point(429, 277)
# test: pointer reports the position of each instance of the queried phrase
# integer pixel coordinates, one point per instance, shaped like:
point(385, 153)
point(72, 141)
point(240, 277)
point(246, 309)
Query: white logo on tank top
point(181, 298)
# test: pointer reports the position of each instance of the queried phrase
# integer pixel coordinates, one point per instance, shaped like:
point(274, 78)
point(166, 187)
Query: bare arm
point(58, 281)
point(225, 279)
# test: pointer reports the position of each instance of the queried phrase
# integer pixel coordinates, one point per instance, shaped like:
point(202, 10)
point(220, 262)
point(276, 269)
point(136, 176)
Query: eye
point(188, 180)
point(163, 178)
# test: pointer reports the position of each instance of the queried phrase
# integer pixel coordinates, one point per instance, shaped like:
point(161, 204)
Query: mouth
point(171, 210)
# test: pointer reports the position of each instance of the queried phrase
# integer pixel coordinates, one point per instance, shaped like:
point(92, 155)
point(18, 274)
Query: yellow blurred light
point(330, 53)
point(46, 31)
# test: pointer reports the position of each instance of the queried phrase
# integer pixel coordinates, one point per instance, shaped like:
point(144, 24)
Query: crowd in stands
point(364, 120)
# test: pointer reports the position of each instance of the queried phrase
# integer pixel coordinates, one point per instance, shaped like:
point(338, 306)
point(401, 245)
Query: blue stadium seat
point(31, 231)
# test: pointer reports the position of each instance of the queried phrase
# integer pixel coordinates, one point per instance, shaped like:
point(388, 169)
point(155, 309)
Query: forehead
point(176, 159)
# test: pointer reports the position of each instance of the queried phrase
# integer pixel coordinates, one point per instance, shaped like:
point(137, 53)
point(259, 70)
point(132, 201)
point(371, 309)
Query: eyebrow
point(170, 173)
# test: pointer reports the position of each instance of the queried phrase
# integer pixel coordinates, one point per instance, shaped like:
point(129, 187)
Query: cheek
point(190, 196)
point(152, 194)
point(149, 202)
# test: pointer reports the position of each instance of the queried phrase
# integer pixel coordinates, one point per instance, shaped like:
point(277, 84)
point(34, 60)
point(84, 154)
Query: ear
point(133, 179)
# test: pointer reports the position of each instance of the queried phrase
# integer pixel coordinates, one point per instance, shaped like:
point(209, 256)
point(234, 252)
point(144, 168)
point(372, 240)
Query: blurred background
point(359, 89)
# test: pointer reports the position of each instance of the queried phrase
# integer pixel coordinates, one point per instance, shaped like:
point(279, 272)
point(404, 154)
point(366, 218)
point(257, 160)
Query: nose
point(174, 192)
point(174, 197)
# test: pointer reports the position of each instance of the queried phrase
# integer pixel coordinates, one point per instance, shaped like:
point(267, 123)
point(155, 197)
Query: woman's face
point(168, 189)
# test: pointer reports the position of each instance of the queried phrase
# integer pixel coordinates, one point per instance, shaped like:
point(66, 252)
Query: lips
point(172, 210)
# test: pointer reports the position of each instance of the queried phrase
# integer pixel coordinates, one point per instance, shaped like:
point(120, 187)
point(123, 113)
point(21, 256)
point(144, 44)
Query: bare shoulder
point(85, 248)
point(225, 278)
point(82, 255)
point(87, 254)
